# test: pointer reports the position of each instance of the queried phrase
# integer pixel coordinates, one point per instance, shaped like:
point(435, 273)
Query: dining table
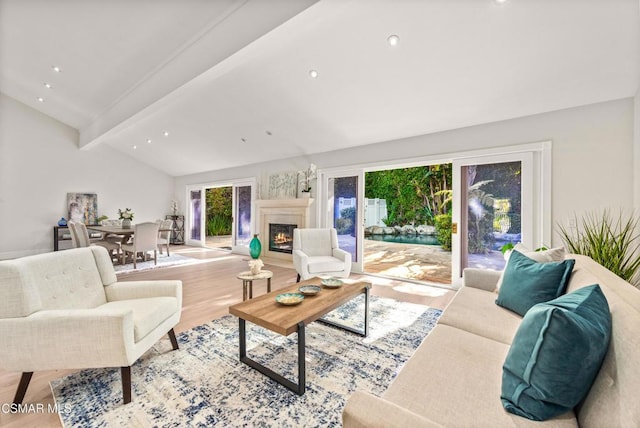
point(124, 233)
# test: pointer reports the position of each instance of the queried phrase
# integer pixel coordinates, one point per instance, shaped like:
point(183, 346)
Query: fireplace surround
point(281, 212)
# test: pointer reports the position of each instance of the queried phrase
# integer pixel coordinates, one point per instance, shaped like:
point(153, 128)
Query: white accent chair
point(164, 236)
point(80, 238)
point(145, 238)
point(316, 253)
point(67, 310)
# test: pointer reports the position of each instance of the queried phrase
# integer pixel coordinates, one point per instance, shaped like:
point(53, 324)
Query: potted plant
point(612, 241)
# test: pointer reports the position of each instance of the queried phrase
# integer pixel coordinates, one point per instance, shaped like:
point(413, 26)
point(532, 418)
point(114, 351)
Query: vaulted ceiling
point(230, 83)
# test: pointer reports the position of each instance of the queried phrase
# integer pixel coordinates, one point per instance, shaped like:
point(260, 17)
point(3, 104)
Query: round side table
point(247, 279)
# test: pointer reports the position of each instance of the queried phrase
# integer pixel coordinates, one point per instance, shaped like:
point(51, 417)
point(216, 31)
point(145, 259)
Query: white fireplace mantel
point(285, 211)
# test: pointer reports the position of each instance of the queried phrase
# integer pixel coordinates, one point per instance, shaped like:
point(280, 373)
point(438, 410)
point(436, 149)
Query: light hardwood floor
point(209, 287)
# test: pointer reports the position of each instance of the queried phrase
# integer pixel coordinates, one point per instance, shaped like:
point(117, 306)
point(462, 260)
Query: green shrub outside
point(345, 224)
point(218, 225)
point(443, 230)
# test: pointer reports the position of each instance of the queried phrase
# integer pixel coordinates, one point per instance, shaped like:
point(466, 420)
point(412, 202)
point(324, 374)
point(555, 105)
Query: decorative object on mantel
point(255, 266)
point(304, 180)
point(62, 221)
point(126, 216)
point(255, 247)
point(174, 207)
point(83, 207)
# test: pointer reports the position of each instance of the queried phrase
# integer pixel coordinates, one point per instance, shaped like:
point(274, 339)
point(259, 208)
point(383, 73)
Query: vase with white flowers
point(126, 216)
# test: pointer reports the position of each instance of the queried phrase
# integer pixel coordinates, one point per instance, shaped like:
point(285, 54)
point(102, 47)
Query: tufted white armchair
point(67, 310)
point(316, 253)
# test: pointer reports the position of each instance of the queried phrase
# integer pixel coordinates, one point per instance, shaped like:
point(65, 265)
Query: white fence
point(374, 210)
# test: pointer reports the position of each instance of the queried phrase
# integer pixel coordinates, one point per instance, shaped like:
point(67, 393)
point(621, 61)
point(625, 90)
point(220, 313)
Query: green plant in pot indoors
point(612, 241)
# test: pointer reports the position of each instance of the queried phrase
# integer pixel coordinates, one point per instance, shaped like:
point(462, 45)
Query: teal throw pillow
point(556, 354)
point(527, 282)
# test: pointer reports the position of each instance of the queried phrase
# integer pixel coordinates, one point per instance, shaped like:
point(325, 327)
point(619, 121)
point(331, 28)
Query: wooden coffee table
point(266, 312)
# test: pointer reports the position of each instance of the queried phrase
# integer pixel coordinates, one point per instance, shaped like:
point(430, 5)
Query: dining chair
point(145, 238)
point(112, 237)
point(164, 236)
point(80, 238)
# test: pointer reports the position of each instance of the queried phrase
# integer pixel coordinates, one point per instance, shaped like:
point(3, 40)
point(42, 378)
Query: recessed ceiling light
point(135, 147)
point(393, 40)
point(40, 99)
point(47, 85)
point(148, 140)
point(244, 140)
point(500, 1)
point(268, 132)
point(165, 133)
point(313, 74)
point(56, 69)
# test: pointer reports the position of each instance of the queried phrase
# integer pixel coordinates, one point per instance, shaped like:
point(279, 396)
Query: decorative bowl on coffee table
point(309, 290)
point(289, 299)
point(332, 282)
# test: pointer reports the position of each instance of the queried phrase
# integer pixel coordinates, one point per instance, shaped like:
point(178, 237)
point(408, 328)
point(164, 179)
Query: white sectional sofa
point(454, 378)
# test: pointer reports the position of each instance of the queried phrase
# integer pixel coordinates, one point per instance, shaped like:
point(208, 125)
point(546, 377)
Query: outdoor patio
point(428, 263)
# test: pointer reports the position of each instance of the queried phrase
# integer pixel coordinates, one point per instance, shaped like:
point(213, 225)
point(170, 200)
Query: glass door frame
point(536, 195)
point(188, 220)
point(540, 168)
point(235, 247)
point(325, 207)
point(251, 181)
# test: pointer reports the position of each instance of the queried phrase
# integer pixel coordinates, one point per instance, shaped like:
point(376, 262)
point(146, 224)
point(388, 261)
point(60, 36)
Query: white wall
point(592, 155)
point(636, 141)
point(636, 152)
point(40, 162)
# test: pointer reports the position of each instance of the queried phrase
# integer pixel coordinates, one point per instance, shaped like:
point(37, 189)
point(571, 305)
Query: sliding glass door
point(196, 218)
point(492, 207)
point(239, 201)
point(243, 223)
point(341, 196)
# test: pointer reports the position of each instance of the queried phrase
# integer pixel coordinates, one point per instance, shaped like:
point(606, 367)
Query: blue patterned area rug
point(203, 384)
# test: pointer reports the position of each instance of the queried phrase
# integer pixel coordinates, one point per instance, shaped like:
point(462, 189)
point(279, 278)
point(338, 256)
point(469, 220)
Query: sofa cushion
point(527, 282)
point(543, 256)
point(320, 264)
point(454, 379)
point(475, 311)
point(549, 255)
point(556, 354)
point(148, 313)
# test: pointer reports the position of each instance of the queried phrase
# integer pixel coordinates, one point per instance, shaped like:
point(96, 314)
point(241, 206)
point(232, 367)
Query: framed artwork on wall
point(83, 207)
point(283, 185)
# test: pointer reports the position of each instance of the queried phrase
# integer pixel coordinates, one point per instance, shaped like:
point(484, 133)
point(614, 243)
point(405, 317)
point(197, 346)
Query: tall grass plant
point(612, 241)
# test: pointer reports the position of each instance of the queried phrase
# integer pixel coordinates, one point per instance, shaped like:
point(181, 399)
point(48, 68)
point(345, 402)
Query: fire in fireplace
point(281, 237)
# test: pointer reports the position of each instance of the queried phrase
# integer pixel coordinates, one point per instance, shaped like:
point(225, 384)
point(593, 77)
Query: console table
point(177, 234)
